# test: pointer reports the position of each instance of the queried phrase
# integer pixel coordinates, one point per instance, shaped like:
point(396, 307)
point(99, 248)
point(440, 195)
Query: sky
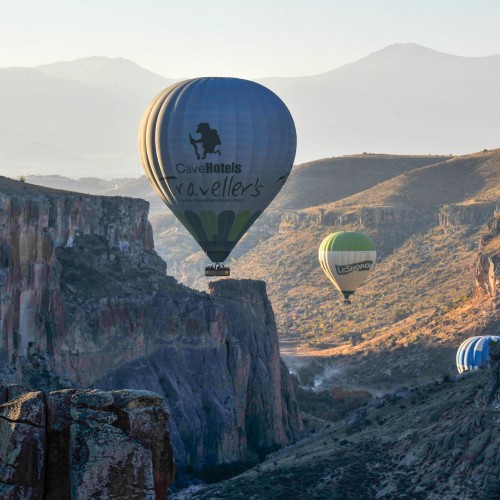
point(247, 39)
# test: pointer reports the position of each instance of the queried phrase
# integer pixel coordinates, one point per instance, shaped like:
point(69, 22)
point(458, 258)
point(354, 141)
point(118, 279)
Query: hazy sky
point(253, 38)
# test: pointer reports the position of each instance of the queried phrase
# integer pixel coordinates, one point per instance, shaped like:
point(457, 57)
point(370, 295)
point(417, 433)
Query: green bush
point(332, 405)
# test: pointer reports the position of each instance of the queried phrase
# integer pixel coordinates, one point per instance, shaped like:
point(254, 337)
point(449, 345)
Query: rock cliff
point(85, 301)
point(362, 216)
point(83, 444)
point(465, 214)
point(34, 228)
point(228, 392)
point(488, 261)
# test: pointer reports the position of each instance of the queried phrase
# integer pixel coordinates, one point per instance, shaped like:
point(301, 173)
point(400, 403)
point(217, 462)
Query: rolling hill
point(89, 109)
point(332, 179)
point(403, 99)
point(309, 184)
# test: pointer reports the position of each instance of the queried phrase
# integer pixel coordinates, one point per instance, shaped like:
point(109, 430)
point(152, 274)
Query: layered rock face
point(83, 444)
point(85, 301)
point(488, 261)
point(32, 228)
point(465, 214)
point(364, 216)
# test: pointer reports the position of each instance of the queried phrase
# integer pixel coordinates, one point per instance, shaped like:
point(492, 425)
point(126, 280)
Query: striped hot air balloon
point(473, 353)
point(347, 258)
point(217, 151)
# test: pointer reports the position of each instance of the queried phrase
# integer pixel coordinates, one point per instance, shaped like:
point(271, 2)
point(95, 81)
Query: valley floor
point(439, 440)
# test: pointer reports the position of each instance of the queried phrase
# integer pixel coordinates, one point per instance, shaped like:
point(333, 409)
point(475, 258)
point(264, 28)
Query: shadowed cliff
point(85, 301)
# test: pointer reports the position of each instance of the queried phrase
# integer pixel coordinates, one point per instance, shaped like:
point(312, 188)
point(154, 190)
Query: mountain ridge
point(404, 98)
point(114, 74)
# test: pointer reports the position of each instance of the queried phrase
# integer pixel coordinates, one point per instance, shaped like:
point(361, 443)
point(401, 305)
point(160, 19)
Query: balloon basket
point(347, 302)
point(217, 270)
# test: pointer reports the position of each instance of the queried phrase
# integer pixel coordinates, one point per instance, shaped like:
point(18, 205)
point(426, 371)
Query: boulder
point(81, 444)
point(106, 463)
point(28, 408)
point(141, 417)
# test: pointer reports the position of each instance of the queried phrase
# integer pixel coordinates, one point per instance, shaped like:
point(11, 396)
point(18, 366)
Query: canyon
point(85, 302)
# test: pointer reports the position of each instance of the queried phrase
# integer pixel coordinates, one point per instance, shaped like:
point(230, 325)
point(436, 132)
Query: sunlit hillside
point(427, 224)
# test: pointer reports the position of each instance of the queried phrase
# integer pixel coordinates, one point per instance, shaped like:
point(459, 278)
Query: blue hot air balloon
point(217, 151)
point(473, 353)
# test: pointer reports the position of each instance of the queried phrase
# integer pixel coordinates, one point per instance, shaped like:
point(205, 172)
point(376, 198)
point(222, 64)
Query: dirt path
point(295, 348)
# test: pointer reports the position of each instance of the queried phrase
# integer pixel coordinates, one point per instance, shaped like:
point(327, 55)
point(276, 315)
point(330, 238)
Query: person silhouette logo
point(209, 140)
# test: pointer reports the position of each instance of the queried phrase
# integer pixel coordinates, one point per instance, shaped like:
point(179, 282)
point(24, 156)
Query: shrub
point(398, 314)
point(330, 405)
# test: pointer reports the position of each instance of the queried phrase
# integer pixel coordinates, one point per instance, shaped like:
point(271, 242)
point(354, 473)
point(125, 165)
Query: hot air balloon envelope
point(473, 353)
point(217, 151)
point(347, 258)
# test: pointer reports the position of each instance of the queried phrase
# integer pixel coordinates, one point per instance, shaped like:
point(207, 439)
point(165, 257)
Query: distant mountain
point(403, 99)
point(42, 158)
point(89, 108)
point(116, 75)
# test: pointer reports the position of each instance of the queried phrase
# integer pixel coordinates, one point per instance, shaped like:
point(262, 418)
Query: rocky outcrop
point(85, 301)
point(228, 392)
point(465, 214)
point(403, 216)
point(494, 224)
point(272, 419)
point(488, 274)
point(488, 261)
point(84, 444)
point(376, 216)
point(295, 220)
point(32, 228)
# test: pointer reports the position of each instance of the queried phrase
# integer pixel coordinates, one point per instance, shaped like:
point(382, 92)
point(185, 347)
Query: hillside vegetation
point(332, 179)
point(427, 224)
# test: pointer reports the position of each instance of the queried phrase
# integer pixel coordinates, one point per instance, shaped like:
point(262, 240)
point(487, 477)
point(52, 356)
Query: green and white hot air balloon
point(347, 258)
point(217, 151)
